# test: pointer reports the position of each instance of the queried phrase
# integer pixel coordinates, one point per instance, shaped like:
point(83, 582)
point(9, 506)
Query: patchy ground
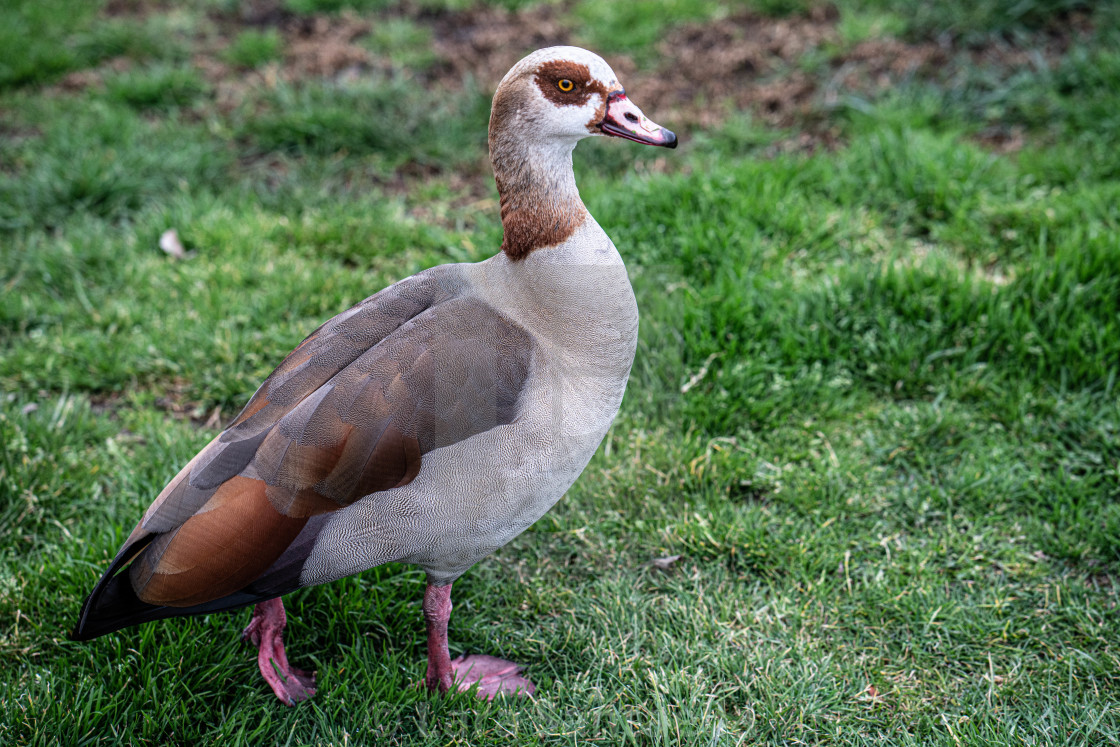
point(786, 70)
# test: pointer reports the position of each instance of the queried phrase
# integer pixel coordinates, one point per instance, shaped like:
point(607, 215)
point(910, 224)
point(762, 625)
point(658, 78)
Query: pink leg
point(493, 675)
point(265, 631)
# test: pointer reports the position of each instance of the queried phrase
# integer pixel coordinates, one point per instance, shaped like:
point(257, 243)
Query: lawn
point(871, 437)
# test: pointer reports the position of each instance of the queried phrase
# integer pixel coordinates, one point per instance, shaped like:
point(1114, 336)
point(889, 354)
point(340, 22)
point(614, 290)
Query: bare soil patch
point(785, 71)
point(317, 46)
point(485, 42)
point(94, 77)
point(323, 47)
point(747, 60)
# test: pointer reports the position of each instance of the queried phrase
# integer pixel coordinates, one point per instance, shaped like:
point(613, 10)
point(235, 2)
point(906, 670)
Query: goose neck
point(540, 203)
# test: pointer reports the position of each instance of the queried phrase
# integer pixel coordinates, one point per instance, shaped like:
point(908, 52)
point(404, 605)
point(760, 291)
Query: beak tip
point(623, 119)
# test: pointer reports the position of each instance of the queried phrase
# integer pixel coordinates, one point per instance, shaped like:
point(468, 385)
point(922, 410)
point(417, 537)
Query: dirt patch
point(135, 8)
point(325, 47)
point(877, 64)
point(786, 71)
point(1001, 139)
point(746, 59)
point(315, 46)
point(485, 42)
point(79, 80)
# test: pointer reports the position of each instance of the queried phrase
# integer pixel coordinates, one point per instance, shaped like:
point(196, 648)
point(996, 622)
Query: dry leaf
point(696, 378)
point(169, 242)
point(665, 563)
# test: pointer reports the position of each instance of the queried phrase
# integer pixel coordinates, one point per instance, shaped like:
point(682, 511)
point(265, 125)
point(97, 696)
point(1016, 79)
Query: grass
point(327, 118)
point(644, 23)
point(31, 36)
point(874, 410)
point(406, 43)
point(251, 49)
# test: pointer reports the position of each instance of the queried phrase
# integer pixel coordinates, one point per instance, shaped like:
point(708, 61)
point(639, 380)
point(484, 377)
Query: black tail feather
point(113, 604)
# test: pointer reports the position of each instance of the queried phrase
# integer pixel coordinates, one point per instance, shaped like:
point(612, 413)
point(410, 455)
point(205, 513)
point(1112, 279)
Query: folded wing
point(350, 412)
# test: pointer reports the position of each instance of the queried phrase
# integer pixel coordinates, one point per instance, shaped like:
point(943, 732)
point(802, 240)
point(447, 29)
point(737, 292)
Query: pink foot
point(265, 631)
point(494, 676)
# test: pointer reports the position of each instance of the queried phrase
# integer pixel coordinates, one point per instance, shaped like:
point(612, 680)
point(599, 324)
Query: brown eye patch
point(567, 83)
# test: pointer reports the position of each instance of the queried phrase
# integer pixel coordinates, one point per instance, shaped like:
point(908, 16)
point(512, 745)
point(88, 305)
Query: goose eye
point(565, 85)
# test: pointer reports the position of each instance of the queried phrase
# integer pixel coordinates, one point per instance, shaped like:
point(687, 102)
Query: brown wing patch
point(306, 479)
point(322, 354)
point(451, 372)
point(338, 422)
point(222, 548)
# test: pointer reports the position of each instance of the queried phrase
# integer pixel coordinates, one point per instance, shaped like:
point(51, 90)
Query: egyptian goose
point(429, 424)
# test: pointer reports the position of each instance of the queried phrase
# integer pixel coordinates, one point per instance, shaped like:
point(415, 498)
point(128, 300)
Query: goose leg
point(265, 631)
point(492, 674)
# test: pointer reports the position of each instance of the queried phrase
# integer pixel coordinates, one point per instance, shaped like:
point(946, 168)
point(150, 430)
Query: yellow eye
point(565, 85)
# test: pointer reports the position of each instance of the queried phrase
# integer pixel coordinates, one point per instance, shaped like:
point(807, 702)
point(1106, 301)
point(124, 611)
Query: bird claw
point(290, 685)
point(252, 632)
point(265, 631)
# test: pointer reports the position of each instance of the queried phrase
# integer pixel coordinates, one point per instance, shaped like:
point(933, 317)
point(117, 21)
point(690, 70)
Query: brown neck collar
point(534, 219)
point(540, 203)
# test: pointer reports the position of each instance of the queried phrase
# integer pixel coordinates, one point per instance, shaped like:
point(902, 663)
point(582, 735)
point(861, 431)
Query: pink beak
point(625, 120)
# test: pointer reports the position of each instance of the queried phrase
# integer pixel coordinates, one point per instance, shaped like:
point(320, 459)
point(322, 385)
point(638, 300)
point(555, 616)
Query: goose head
point(560, 95)
point(546, 103)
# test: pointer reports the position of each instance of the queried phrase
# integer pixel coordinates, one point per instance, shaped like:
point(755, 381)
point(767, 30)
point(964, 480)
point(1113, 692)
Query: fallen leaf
point(169, 242)
point(872, 691)
point(695, 379)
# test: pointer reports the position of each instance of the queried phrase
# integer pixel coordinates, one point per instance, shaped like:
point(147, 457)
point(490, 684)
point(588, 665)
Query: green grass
point(635, 28)
point(252, 48)
point(406, 43)
point(875, 407)
point(394, 120)
point(157, 87)
point(332, 6)
point(974, 18)
point(32, 38)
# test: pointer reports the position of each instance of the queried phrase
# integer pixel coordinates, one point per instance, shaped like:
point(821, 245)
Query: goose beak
point(625, 120)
